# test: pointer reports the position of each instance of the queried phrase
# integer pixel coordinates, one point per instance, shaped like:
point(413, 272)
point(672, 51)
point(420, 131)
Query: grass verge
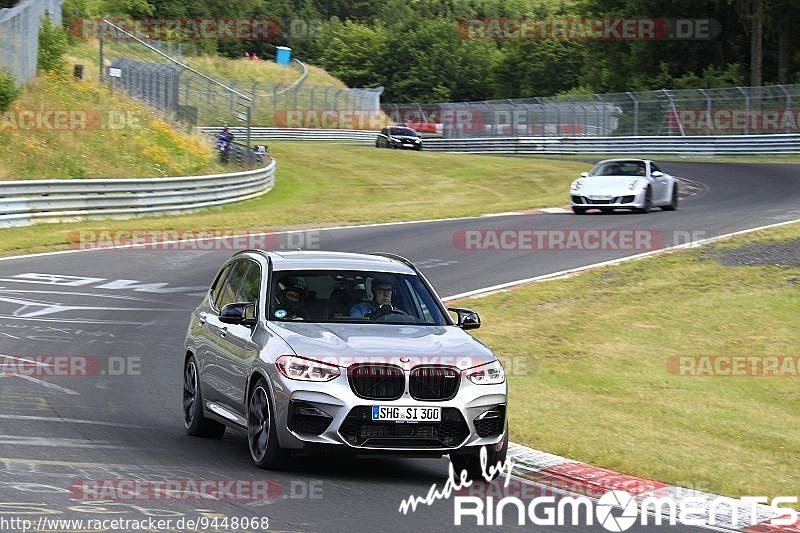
point(601, 391)
point(62, 128)
point(322, 184)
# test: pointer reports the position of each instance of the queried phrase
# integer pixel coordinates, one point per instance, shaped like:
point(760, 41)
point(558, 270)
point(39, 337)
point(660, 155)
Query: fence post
point(746, 110)
point(674, 113)
point(708, 109)
point(100, 53)
point(788, 96)
point(635, 113)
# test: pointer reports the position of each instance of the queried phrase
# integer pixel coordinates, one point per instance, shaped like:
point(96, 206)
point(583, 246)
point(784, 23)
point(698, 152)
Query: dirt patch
point(785, 253)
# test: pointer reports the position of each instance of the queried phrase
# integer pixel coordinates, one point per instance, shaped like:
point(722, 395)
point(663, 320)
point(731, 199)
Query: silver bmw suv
point(355, 351)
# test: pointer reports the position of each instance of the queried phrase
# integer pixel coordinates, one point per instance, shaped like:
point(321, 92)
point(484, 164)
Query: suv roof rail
point(258, 251)
point(396, 257)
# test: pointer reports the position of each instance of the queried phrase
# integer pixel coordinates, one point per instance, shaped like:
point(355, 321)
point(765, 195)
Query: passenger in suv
point(410, 382)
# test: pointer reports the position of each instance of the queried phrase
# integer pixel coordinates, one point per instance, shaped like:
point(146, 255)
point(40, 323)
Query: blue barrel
point(283, 55)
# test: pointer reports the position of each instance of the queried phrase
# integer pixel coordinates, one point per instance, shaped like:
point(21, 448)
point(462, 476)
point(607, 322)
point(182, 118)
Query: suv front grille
point(377, 381)
point(358, 429)
point(434, 383)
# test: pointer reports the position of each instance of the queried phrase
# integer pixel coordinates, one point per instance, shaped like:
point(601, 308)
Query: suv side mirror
point(467, 318)
point(243, 313)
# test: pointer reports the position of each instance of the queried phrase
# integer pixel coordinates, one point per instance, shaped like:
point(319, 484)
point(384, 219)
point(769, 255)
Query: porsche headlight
point(302, 369)
point(636, 185)
point(576, 185)
point(488, 374)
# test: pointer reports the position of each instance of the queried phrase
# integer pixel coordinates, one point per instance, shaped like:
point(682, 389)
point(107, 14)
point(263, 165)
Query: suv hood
point(351, 343)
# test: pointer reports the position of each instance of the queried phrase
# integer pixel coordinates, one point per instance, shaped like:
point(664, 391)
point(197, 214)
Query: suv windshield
point(352, 297)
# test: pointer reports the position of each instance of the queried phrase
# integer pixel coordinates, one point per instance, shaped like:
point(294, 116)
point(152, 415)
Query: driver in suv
point(381, 301)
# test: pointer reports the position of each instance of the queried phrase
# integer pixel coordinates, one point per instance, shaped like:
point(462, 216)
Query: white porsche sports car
point(636, 184)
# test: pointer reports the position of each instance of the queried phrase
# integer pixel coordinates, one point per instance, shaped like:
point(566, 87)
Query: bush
point(8, 89)
point(52, 47)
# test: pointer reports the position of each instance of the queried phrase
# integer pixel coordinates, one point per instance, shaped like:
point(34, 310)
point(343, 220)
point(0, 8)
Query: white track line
point(285, 232)
point(45, 384)
point(37, 363)
point(572, 271)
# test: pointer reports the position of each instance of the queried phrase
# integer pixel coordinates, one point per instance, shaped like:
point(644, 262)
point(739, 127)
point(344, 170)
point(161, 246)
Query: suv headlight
point(302, 369)
point(488, 374)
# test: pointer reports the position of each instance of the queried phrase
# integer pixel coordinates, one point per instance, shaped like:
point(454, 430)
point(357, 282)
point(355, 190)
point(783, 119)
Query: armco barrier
point(25, 202)
point(726, 145)
point(300, 134)
point(695, 145)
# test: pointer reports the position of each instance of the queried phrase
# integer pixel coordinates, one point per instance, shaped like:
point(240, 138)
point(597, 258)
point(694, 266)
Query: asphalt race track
point(129, 309)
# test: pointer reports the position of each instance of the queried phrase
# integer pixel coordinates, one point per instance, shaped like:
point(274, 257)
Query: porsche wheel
point(673, 204)
point(648, 201)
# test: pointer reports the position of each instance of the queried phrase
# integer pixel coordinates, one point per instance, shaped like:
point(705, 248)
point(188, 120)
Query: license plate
point(387, 413)
point(601, 197)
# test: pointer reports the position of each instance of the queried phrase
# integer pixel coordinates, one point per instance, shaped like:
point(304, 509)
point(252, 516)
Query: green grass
point(320, 184)
point(597, 389)
point(266, 79)
point(122, 139)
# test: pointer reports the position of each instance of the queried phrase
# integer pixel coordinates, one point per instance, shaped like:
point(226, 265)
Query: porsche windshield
point(619, 168)
point(405, 132)
point(352, 297)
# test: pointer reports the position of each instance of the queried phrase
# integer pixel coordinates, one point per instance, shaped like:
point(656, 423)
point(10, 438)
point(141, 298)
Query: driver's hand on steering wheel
point(385, 309)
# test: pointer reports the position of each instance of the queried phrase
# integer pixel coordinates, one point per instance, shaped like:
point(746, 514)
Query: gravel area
point(786, 253)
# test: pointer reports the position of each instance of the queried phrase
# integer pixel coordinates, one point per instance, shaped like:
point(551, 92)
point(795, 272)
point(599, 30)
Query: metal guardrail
point(27, 201)
point(777, 144)
point(301, 134)
point(19, 35)
point(703, 146)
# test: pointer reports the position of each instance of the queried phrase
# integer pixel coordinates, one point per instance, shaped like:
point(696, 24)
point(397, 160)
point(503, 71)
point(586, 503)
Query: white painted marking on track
point(55, 442)
point(45, 384)
point(56, 419)
point(486, 291)
point(285, 232)
point(554, 210)
point(37, 363)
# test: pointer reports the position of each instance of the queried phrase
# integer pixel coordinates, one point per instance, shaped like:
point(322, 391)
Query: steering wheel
point(384, 310)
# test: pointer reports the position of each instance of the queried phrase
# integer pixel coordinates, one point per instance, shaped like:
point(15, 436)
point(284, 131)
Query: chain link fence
point(731, 111)
point(160, 73)
point(19, 35)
